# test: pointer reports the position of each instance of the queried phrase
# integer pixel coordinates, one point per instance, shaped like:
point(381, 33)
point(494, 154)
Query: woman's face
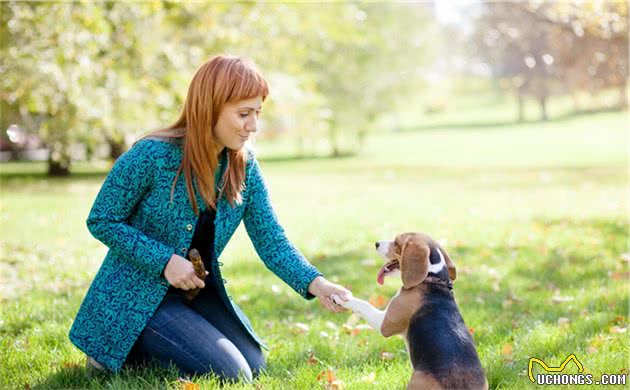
point(237, 121)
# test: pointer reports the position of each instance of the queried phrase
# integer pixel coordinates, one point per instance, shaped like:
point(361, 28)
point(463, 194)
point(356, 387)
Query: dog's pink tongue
point(381, 275)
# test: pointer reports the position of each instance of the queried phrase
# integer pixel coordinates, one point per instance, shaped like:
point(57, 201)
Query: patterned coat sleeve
point(269, 238)
point(129, 179)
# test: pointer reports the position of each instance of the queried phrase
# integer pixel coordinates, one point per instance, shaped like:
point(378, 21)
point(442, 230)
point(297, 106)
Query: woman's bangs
point(248, 84)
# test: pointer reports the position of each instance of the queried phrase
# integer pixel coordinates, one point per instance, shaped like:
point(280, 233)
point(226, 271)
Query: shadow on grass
point(147, 376)
point(500, 125)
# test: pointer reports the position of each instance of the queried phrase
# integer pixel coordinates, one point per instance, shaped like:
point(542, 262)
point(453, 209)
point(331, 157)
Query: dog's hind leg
point(422, 381)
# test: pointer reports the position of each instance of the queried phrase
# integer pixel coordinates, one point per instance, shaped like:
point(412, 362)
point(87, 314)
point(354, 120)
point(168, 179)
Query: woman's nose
point(252, 125)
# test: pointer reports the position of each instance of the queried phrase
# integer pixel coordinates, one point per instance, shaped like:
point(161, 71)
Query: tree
point(543, 48)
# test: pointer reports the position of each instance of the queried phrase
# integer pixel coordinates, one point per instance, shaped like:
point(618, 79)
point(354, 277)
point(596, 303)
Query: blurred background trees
point(546, 48)
point(80, 78)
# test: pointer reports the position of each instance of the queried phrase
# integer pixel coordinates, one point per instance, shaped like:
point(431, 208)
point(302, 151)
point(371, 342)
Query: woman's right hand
point(180, 273)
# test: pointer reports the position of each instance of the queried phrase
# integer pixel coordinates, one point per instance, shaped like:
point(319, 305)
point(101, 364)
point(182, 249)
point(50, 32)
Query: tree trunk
point(116, 148)
point(58, 167)
point(543, 107)
point(521, 107)
point(333, 140)
point(576, 101)
point(300, 146)
point(623, 96)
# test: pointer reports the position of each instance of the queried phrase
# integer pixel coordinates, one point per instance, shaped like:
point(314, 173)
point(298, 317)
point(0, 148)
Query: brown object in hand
point(200, 271)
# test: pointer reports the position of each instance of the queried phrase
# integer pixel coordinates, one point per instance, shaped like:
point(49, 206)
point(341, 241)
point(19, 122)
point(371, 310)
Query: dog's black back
point(440, 343)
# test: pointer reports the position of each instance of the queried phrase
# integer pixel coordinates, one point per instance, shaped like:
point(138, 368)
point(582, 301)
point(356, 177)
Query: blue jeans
point(199, 336)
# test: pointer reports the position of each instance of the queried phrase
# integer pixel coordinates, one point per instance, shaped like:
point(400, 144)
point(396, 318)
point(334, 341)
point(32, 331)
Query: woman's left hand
point(323, 290)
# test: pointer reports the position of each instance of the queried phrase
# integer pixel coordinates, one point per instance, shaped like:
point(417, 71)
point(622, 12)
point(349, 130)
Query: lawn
point(534, 215)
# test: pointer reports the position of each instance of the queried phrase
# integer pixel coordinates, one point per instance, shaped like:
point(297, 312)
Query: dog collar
point(439, 282)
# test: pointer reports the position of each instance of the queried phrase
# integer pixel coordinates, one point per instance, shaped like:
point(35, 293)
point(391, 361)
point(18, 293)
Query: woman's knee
point(228, 368)
point(256, 361)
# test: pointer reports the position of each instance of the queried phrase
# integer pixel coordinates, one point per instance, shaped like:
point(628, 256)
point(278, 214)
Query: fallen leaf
point(507, 349)
point(378, 301)
point(331, 325)
point(563, 321)
point(185, 384)
point(327, 377)
point(312, 360)
point(370, 378)
point(561, 299)
point(299, 328)
point(618, 329)
point(387, 356)
point(336, 385)
point(591, 349)
point(617, 320)
point(620, 275)
point(471, 330)
point(27, 386)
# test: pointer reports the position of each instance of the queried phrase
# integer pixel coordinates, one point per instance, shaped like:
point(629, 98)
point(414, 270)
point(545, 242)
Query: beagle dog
point(424, 311)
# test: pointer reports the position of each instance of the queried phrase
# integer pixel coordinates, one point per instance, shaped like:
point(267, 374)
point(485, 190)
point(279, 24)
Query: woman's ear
point(452, 270)
point(414, 262)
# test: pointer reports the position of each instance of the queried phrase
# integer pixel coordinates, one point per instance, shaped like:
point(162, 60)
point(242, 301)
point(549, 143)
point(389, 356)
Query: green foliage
point(113, 70)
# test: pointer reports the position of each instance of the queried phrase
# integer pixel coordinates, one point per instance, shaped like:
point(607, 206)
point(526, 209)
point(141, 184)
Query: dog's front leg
point(372, 315)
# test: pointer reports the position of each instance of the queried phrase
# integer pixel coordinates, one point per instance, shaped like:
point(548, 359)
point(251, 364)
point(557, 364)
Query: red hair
point(221, 80)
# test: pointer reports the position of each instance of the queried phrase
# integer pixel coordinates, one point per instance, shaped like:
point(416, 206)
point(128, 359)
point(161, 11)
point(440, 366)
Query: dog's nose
point(377, 244)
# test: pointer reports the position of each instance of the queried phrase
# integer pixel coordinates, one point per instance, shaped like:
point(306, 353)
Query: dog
point(424, 311)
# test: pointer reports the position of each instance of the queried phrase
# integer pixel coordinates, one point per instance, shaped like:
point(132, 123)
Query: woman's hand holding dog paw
point(324, 290)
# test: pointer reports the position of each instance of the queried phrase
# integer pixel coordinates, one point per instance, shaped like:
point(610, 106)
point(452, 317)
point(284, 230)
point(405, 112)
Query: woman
point(136, 308)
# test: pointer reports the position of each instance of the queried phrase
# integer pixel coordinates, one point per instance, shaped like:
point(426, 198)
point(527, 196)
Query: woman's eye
point(243, 115)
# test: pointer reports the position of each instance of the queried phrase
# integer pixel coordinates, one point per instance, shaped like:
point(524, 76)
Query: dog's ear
point(452, 270)
point(414, 262)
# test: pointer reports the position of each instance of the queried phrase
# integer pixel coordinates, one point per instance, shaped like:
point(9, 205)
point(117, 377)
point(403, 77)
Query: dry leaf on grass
point(185, 384)
point(312, 360)
point(370, 378)
point(563, 321)
point(387, 355)
point(378, 301)
point(299, 328)
point(329, 381)
point(561, 299)
point(618, 329)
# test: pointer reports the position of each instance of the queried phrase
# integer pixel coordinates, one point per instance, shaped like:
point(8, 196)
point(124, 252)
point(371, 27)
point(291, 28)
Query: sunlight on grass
point(534, 215)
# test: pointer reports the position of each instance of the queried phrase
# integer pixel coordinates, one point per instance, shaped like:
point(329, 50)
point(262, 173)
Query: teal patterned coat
point(133, 216)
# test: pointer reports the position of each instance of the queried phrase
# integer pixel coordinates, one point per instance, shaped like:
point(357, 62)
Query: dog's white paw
point(338, 300)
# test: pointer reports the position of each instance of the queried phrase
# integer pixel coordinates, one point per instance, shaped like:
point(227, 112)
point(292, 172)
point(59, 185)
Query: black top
point(203, 240)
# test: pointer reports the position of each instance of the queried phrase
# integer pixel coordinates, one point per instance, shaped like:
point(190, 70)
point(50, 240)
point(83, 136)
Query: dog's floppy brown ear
point(414, 262)
point(452, 270)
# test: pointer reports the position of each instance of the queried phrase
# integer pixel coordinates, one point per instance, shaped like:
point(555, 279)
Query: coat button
point(224, 281)
point(220, 264)
point(184, 250)
point(189, 227)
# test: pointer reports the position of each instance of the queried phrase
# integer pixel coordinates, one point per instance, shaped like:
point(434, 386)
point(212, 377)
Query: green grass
point(534, 215)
